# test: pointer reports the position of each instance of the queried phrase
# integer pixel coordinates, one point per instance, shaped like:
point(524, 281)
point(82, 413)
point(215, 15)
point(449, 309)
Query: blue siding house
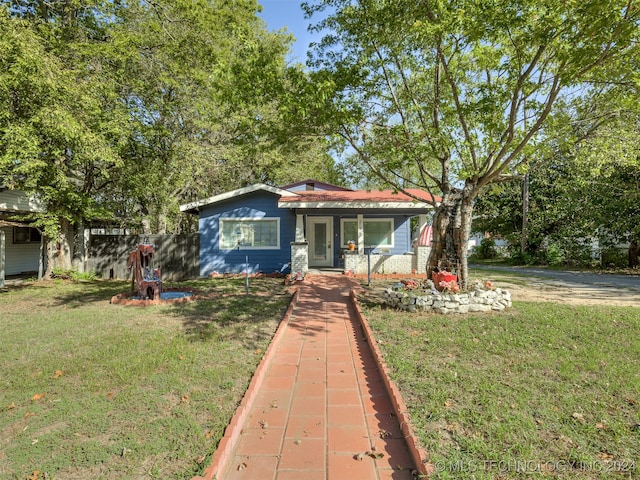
point(306, 225)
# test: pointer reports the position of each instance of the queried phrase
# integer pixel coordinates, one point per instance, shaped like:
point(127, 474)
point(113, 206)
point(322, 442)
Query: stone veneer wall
point(476, 301)
point(387, 264)
point(299, 257)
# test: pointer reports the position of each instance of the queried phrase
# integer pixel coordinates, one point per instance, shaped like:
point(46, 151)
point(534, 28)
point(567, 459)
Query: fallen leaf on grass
point(601, 426)
point(209, 434)
point(58, 374)
point(200, 460)
point(11, 406)
point(185, 398)
point(605, 456)
point(578, 416)
point(35, 476)
point(38, 396)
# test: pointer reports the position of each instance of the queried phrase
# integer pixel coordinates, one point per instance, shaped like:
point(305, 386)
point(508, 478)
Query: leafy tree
point(209, 83)
point(583, 193)
point(452, 96)
point(119, 112)
point(59, 130)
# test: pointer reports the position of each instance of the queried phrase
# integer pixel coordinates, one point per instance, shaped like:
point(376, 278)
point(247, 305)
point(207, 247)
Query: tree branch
point(459, 112)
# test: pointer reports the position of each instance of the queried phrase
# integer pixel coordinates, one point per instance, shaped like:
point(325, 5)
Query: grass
point(94, 390)
point(538, 389)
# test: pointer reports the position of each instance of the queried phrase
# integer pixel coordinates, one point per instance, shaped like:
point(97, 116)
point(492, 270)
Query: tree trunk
point(451, 230)
point(79, 248)
point(444, 254)
point(162, 223)
point(60, 249)
point(466, 216)
point(146, 226)
point(634, 252)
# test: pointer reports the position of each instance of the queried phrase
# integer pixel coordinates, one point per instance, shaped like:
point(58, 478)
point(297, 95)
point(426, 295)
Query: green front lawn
point(94, 390)
point(538, 389)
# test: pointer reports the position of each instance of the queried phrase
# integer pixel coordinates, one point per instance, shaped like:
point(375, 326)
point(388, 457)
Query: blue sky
point(288, 14)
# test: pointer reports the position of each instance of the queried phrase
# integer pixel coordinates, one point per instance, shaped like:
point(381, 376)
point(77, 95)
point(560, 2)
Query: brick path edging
point(224, 451)
point(418, 454)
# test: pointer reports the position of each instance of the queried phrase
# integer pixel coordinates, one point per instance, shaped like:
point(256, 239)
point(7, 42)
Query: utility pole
point(525, 214)
point(524, 240)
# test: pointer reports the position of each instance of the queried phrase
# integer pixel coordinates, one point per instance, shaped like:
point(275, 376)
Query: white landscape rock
point(479, 300)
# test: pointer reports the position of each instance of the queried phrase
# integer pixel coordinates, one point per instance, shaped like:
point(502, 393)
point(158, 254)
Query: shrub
point(519, 258)
point(72, 274)
point(554, 255)
point(614, 257)
point(487, 249)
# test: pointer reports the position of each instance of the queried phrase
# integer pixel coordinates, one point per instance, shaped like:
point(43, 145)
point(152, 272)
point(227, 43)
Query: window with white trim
point(378, 232)
point(26, 235)
point(258, 233)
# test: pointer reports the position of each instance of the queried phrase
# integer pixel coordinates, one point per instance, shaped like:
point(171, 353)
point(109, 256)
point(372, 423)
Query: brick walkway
point(321, 411)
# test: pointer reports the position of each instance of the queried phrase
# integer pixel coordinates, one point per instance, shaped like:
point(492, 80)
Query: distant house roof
point(355, 199)
point(194, 206)
point(312, 185)
point(17, 201)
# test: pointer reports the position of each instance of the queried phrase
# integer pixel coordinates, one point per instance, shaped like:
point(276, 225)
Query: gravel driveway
point(577, 288)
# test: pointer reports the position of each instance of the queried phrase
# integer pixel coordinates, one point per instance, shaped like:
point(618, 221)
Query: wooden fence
point(177, 255)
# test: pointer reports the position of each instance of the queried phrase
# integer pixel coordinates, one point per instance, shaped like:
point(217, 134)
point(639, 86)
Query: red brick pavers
point(322, 410)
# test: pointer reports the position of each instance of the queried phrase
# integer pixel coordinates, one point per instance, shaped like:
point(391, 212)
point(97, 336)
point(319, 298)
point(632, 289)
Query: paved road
point(572, 278)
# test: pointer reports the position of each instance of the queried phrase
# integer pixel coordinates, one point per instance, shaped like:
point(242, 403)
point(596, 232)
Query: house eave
point(193, 207)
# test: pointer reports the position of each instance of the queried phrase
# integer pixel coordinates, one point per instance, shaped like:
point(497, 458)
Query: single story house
point(20, 244)
point(310, 224)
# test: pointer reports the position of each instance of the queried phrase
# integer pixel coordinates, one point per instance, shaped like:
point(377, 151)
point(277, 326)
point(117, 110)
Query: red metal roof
point(360, 196)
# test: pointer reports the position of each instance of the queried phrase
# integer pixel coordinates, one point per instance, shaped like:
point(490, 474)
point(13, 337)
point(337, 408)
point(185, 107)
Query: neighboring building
point(309, 225)
point(20, 244)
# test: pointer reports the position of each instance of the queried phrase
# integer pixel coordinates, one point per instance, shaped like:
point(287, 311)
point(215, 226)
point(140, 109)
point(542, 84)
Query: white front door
point(319, 235)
